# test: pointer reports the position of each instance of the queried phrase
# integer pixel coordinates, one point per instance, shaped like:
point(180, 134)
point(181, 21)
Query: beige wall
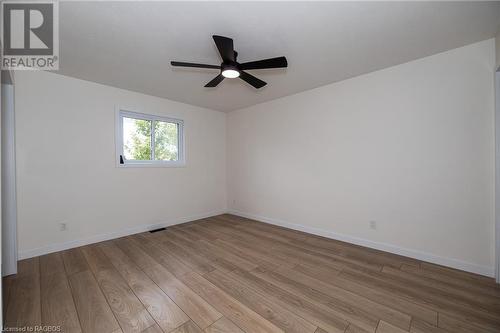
point(65, 130)
point(410, 147)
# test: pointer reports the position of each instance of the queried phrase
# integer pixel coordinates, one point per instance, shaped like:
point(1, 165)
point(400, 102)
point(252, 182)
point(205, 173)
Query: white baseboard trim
point(415, 254)
point(111, 235)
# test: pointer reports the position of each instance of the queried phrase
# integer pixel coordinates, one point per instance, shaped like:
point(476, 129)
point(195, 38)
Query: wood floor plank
point(159, 254)
point(200, 249)
point(351, 256)
point(123, 263)
point(252, 245)
point(450, 302)
point(201, 312)
point(455, 273)
point(340, 248)
point(289, 233)
point(51, 264)
point(188, 327)
point(153, 329)
point(276, 233)
point(185, 247)
point(196, 262)
point(245, 318)
point(199, 231)
point(270, 250)
point(181, 229)
point(252, 255)
point(129, 311)
point(384, 327)
point(461, 325)
point(127, 308)
point(239, 262)
point(299, 255)
point(24, 307)
point(93, 310)
point(326, 258)
point(355, 329)
point(6, 292)
point(420, 326)
point(335, 307)
point(380, 311)
point(132, 248)
point(373, 293)
point(28, 268)
point(458, 282)
point(305, 309)
point(436, 302)
point(272, 311)
point(320, 330)
point(222, 257)
point(57, 305)
point(223, 325)
point(96, 259)
point(74, 261)
point(164, 311)
point(358, 252)
point(487, 302)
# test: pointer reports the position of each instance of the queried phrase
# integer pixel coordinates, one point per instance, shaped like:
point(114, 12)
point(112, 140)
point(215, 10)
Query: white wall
point(410, 147)
point(497, 44)
point(65, 130)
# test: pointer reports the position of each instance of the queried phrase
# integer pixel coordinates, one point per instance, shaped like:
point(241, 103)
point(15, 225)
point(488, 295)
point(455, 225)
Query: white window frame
point(121, 113)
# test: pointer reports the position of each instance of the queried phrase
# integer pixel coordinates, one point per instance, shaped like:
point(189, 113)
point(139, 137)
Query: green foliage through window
point(166, 141)
point(137, 136)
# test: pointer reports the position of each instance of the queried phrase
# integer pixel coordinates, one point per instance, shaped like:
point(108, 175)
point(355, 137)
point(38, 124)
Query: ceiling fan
point(231, 69)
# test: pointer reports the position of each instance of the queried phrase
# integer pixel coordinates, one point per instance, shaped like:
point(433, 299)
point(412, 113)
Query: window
point(148, 140)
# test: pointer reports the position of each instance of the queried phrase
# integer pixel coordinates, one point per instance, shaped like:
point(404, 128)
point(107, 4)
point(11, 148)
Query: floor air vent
point(156, 230)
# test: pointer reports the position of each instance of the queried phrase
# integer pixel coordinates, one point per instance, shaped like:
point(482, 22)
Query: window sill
point(153, 165)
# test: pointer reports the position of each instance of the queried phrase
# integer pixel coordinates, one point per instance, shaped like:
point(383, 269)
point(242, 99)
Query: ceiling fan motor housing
point(229, 66)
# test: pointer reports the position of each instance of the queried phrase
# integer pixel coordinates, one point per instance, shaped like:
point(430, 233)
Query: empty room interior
point(250, 167)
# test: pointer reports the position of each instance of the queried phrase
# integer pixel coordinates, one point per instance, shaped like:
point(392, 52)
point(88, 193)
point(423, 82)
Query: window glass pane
point(136, 139)
point(166, 141)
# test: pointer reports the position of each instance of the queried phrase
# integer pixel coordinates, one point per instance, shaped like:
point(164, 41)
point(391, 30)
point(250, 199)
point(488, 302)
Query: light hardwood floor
point(234, 275)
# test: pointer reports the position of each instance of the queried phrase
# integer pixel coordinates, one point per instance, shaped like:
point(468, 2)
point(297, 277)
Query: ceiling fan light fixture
point(230, 73)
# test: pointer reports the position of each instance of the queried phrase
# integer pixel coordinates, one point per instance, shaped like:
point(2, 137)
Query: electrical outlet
point(62, 226)
point(373, 225)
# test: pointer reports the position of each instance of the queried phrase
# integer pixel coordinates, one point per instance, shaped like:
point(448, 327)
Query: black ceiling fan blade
point(225, 47)
point(190, 64)
point(252, 80)
point(278, 62)
point(216, 80)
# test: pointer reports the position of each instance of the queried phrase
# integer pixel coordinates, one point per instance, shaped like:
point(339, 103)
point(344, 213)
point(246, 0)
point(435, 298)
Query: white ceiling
point(130, 44)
